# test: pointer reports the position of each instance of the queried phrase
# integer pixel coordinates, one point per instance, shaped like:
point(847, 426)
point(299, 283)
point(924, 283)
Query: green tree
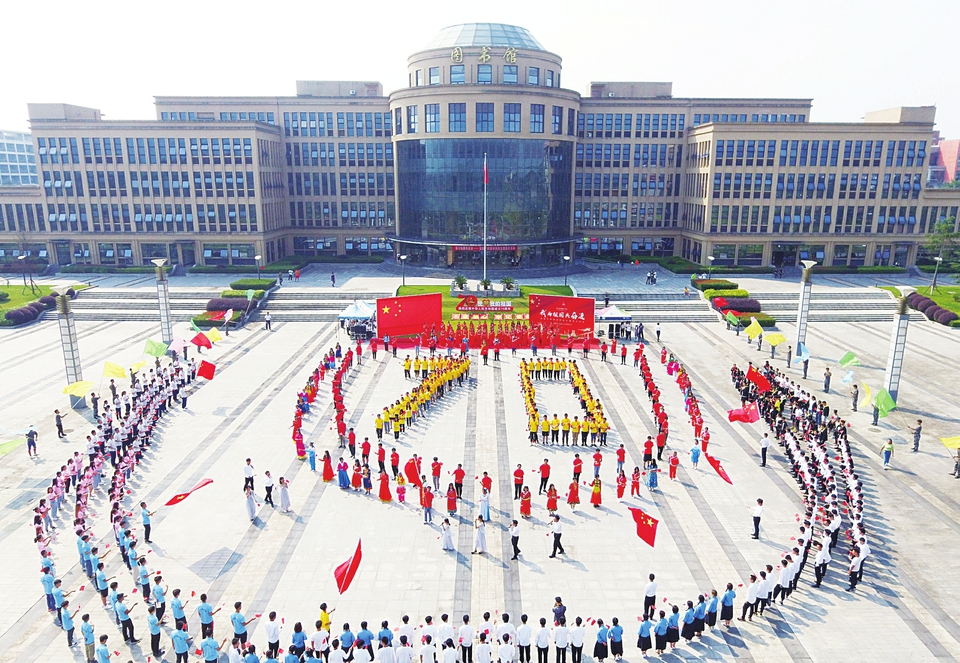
point(944, 241)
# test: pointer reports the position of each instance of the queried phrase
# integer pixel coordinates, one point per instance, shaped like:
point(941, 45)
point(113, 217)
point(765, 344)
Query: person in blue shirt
point(102, 582)
point(67, 621)
point(600, 648)
point(126, 624)
point(298, 640)
point(687, 631)
point(699, 614)
point(209, 648)
point(643, 640)
point(385, 632)
point(673, 627)
point(616, 639)
point(251, 656)
point(89, 641)
point(145, 519)
point(86, 555)
point(239, 625)
point(177, 606)
point(365, 634)
point(181, 644)
point(102, 651)
point(153, 625)
point(159, 592)
point(143, 577)
point(712, 606)
point(46, 563)
point(112, 598)
point(660, 633)
point(206, 612)
point(726, 605)
point(347, 638)
point(58, 599)
point(47, 579)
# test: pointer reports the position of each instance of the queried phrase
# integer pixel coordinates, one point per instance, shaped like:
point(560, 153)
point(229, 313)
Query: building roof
point(485, 34)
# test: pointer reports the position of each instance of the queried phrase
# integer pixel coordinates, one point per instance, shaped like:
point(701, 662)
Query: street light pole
point(257, 258)
point(403, 269)
point(711, 259)
point(23, 269)
point(803, 307)
point(566, 261)
point(163, 297)
point(898, 344)
point(933, 284)
point(70, 347)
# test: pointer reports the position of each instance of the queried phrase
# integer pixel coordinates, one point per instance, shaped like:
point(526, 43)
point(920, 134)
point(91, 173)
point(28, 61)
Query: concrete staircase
point(838, 305)
point(293, 304)
point(139, 304)
point(662, 307)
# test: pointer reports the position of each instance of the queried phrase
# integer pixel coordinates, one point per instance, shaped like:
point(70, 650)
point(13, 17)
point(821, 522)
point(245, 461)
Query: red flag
point(206, 370)
point(403, 316)
point(216, 315)
point(715, 464)
point(346, 571)
point(176, 499)
point(201, 341)
point(756, 378)
point(748, 414)
point(646, 525)
point(413, 474)
point(486, 178)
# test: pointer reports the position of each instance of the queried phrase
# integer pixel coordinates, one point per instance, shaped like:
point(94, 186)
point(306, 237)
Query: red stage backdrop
point(402, 316)
point(566, 315)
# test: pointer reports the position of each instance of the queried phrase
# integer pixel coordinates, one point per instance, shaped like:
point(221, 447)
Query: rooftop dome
point(485, 34)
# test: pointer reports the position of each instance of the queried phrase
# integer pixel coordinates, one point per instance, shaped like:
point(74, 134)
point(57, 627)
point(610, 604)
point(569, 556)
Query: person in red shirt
point(458, 475)
point(577, 467)
point(365, 451)
point(597, 459)
point(526, 500)
point(705, 439)
point(647, 452)
point(623, 355)
point(426, 500)
point(352, 443)
point(517, 481)
point(635, 482)
point(621, 484)
point(636, 356)
point(486, 482)
point(661, 443)
point(573, 495)
point(452, 500)
point(381, 457)
point(544, 475)
point(435, 468)
point(674, 464)
point(395, 463)
point(603, 352)
point(621, 458)
point(552, 499)
point(341, 431)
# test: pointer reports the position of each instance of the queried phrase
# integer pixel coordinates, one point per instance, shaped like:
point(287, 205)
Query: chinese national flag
point(486, 177)
point(715, 464)
point(201, 341)
point(346, 571)
point(748, 414)
point(756, 378)
point(206, 370)
point(413, 474)
point(176, 499)
point(403, 316)
point(646, 525)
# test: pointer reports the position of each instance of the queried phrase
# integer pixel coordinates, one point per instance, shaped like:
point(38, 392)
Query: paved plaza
point(284, 562)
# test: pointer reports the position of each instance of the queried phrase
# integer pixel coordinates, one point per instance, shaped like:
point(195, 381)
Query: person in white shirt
point(272, 628)
point(524, 638)
point(428, 653)
point(542, 641)
point(361, 654)
point(404, 652)
point(320, 639)
point(783, 586)
point(757, 512)
point(484, 650)
point(467, 633)
point(429, 629)
point(820, 563)
point(405, 630)
point(650, 597)
point(505, 651)
point(386, 653)
point(561, 638)
point(506, 628)
point(487, 627)
point(753, 590)
point(576, 641)
point(449, 654)
point(445, 630)
point(248, 473)
point(764, 445)
point(864, 553)
point(233, 652)
point(336, 654)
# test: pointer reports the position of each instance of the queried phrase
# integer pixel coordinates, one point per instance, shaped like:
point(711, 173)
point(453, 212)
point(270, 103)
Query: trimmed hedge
point(256, 284)
point(107, 269)
point(204, 322)
point(714, 284)
point(763, 319)
point(710, 294)
point(743, 304)
point(227, 303)
point(257, 294)
point(4, 296)
point(946, 317)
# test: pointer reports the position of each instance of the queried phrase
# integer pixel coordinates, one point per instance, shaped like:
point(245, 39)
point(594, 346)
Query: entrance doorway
point(785, 255)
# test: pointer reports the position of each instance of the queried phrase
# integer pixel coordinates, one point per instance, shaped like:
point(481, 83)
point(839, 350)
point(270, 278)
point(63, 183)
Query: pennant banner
point(732, 319)
point(176, 499)
point(884, 402)
point(775, 339)
point(646, 525)
point(111, 370)
point(848, 359)
point(213, 334)
point(866, 398)
point(346, 571)
point(753, 329)
point(154, 349)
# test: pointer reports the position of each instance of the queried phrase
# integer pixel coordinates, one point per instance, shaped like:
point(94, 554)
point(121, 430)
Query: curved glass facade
point(440, 189)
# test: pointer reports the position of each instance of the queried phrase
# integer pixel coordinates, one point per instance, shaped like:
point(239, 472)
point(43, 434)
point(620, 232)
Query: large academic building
point(343, 169)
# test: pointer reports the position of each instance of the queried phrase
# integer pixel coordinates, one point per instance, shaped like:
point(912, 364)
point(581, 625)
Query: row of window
point(509, 75)
point(311, 246)
point(306, 123)
point(704, 118)
point(617, 125)
point(613, 184)
point(792, 185)
point(193, 116)
point(170, 217)
point(616, 155)
point(342, 215)
point(146, 150)
point(485, 118)
point(849, 219)
point(800, 152)
point(351, 184)
point(353, 154)
point(150, 183)
point(616, 215)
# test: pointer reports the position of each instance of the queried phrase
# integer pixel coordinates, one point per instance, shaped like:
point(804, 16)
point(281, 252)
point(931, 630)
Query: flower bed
point(714, 284)
point(711, 294)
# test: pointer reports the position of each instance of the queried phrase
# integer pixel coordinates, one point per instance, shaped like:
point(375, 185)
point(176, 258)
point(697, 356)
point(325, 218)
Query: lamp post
point(566, 261)
point(257, 258)
point(70, 347)
point(933, 284)
point(163, 296)
point(898, 344)
point(23, 269)
point(403, 269)
point(803, 307)
point(711, 259)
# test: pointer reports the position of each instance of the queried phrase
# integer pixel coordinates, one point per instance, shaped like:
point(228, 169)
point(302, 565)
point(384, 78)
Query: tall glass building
point(341, 168)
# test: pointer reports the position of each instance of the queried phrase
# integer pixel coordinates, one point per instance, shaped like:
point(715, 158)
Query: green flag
point(250, 294)
point(732, 319)
point(849, 359)
point(193, 326)
point(154, 349)
point(884, 402)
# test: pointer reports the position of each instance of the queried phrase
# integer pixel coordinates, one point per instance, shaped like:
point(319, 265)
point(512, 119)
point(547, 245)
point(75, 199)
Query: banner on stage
point(566, 315)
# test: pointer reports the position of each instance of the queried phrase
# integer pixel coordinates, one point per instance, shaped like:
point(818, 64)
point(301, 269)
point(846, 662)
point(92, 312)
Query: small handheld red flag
point(206, 370)
point(176, 499)
point(715, 464)
point(646, 525)
point(346, 571)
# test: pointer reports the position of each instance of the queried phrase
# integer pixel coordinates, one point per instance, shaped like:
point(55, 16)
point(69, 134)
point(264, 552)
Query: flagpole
point(484, 216)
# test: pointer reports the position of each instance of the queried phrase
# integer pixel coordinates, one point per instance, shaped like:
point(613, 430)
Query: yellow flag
point(754, 329)
point(951, 442)
point(136, 367)
point(78, 389)
point(775, 339)
point(111, 370)
point(865, 397)
point(213, 334)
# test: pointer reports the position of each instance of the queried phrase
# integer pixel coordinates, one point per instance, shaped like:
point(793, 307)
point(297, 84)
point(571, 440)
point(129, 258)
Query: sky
point(849, 56)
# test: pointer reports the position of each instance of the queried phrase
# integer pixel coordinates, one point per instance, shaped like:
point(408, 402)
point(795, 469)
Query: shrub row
point(255, 284)
point(714, 284)
point(30, 312)
point(763, 319)
point(205, 322)
point(227, 303)
point(257, 294)
point(738, 292)
point(932, 310)
point(743, 304)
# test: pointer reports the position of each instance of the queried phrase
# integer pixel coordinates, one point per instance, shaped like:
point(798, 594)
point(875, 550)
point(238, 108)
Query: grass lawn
point(520, 304)
point(943, 296)
point(890, 288)
point(20, 295)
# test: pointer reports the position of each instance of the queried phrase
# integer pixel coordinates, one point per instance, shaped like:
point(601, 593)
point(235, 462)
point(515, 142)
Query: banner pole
point(485, 216)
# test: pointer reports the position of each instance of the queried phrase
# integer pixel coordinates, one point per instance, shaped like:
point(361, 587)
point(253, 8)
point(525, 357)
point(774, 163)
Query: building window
point(510, 74)
point(533, 76)
point(511, 118)
point(458, 117)
point(398, 121)
point(550, 78)
point(536, 118)
point(431, 114)
point(411, 119)
point(434, 75)
point(457, 76)
point(484, 74)
point(484, 117)
point(557, 120)
point(418, 77)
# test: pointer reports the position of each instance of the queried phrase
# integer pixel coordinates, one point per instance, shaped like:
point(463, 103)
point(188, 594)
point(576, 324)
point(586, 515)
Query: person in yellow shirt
point(406, 367)
point(563, 369)
point(537, 368)
point(555, 429)
point(378, 424)
point(533, 425)
point(575, 427)
point(565, 430)
point(416, 366)
point(544, 430)
point(593, 431)
point(602, 428)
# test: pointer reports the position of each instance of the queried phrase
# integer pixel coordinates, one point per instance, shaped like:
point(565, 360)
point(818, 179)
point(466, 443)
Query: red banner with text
point(563, 315)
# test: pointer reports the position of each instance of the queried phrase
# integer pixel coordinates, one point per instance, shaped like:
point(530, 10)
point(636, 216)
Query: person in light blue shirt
point(112, 599)
point(177, 606)
point(206, 612)
point(347, 638)
point(153, 625)
point(67, 621)
point(145, 519)
point(143, 577)
point(365, 634)
point(239, 625)
point(726, 605)
point(209, 648)
point(89, 641)
point(47, 579)
point(687, 631)
point(600, 647)
point(102, 651)
point(385, 632)
point(616, 639)
point(644, 642)
point(673, 627)
point(58, 599)
point(712, 607)
point(699, 615)
point(660, 633)
point(86, 554)
point(159, 592)
point(181, 644)
point(251, 656)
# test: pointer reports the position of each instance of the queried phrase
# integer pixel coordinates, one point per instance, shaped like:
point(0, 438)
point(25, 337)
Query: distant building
point(18, 166)
point(343, 169)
